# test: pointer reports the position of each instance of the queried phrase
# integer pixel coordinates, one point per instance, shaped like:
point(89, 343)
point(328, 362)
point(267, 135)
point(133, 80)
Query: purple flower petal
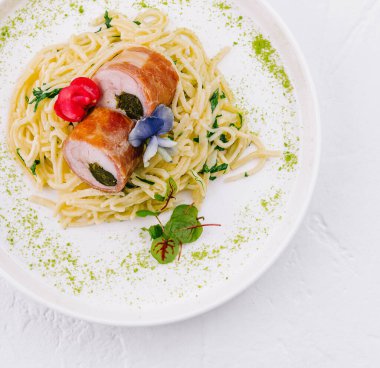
point(166, 142)
point(166, 115)
point(144, 129)
point(150, 151)
point(165, 154)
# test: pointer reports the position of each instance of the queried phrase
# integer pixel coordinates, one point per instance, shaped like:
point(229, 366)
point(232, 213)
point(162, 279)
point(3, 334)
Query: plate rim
point(228, 296)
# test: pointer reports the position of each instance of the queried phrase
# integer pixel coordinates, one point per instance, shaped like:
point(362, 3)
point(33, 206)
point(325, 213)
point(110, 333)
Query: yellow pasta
point(40, 135)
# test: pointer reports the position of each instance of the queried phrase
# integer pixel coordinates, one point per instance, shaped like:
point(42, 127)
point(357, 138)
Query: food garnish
point(34, 165)
point(107, 19)
point(40, 94)
point(183, 227)
point(75, 100)
point(152, 128)
point(214, 100)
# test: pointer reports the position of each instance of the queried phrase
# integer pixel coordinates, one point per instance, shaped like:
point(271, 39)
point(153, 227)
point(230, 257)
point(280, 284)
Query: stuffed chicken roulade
point(98, 150)
point(136, 81)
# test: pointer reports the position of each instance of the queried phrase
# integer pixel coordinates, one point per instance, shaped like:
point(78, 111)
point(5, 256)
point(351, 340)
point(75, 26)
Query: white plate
point(106, 273)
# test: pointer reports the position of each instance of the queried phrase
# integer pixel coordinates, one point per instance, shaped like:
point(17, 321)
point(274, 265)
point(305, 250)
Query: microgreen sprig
point(40, 94)
point(183, 227)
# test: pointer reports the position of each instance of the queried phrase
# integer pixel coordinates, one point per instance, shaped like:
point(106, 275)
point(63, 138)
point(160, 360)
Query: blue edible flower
point(151, 128)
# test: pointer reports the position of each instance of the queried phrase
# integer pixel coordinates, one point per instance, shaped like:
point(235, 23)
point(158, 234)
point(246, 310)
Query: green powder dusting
point(269, 204)
point(222, 5)
point(269, 58)
point(264, 204)
point(142, 4)
point(290, 162)
point(198, 256)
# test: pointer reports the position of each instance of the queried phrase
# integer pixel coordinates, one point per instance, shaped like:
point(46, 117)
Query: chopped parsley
point(19, 155)
point(34, 166)
point(146, 181)
point(137, 22)
point(213, 169)
point(215, 125)
point(238, 127)
point(40, 94)
point(129, 186)
point(107, 20)
point(216, 168)
point(214, 100)
point(196, 140)
point(35, 163)
point(224, 139)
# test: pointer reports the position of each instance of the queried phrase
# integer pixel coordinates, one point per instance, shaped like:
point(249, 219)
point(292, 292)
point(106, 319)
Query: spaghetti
point(208, 128)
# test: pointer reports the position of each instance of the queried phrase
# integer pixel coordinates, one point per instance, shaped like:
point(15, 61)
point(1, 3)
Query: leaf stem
point(202, 225)
point(180, 252)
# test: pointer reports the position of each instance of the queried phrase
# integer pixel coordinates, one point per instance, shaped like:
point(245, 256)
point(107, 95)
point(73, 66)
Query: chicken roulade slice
point(136, 81)
point(98, 151)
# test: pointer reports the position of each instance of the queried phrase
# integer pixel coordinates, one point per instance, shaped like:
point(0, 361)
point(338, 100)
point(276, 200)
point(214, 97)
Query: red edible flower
point(74, 101)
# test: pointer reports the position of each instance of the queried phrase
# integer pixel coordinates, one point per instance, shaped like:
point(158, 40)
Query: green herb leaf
point(171, 188)
point(19, 155)
point(130, 186)
point(159, 197)
point(222, 96)
point(165, 250)
point(241, 121)
point(40, 95)
point(33, 167)
point(215, 125)
point(146, 181)
point(213, 169)
point(214, 100)
point(185, 228)
point(185, 210)
point(239, 126)
point(196, 140)
point(107, 20)
point(224, 139)
point(205, 169)
point(154, 231)
point(137, 22)
point(98, 30)
point(146, 213)
point(217, 168)
point(213, 178)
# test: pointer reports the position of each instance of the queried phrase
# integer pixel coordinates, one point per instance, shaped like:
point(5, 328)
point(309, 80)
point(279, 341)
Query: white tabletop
point(319, 305)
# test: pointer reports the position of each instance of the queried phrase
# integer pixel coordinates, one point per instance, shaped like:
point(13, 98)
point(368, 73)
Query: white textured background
point(319, 305)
